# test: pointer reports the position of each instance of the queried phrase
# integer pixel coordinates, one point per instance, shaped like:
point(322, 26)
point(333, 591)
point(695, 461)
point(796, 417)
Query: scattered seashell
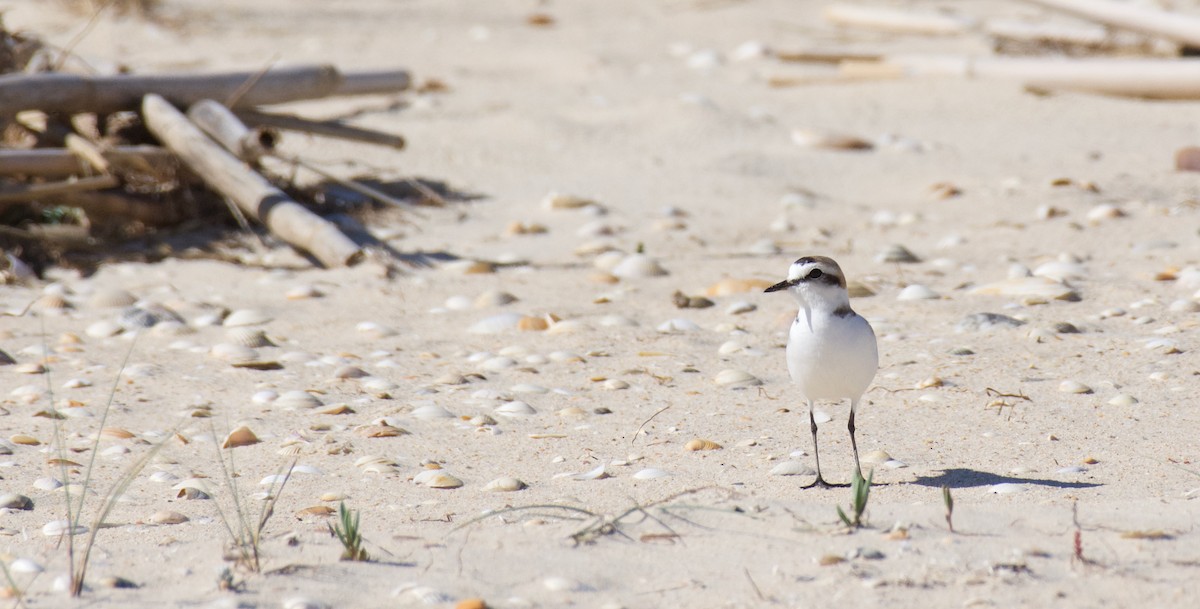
point(432, 411)
point(532, 324)
point(193, 488)
point(25, 566)
point(58, 528)
point(24, 440)
point(304, 602)
point(1123, 399)
point(246, 317)
point(729, 286)
point(1187, 159)
point(46, 484)
point(167, 517)
point(13, 501)
point(1042, 287)
point(248, 337)
point(650, 473)
point(1073, 387)
point(493, 298)
point(504, 485)
point(111, 298)
point(599, 473)
point(1105, 211)
point(897, 254)
point(496, 324)
point(558, 201)
point(146, 315)
point(827, 140)
point(677, 325)
point(374, 331)
point(983, 322)
point(515, 408)
point(29, 368)
point(297, 400)
point(103, 329)
point(792, 468)
point(316, 510)
point(701, 444)
point(917, 291)
point(233, 353)
point(242, 436)
point(736, 378)
point(635, 266)
point(302, 292)
point(1060, 270)
point(380, 431)
point(615, 384)
point(436, 478)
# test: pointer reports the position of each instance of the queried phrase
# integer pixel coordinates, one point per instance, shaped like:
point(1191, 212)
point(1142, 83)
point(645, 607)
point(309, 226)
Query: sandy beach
point(537, 365)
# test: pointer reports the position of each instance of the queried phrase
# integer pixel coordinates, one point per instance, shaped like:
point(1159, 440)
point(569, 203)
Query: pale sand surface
point(604, 105)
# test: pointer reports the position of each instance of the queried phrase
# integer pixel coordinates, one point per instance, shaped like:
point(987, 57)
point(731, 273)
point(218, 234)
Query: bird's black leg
point(819, 482)
point(853, 443)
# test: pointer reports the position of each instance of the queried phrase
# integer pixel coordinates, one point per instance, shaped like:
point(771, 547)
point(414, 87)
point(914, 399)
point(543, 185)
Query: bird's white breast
point(831, 357)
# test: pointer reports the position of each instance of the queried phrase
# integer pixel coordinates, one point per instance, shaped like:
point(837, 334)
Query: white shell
point(1041, 287)
point(233, 353)
point(792, 468)
point(199, 484)
point(515, 408)
point(246, 317)
point(1073, 387)
point(493, 298)
point(736, 378)
point(46, 484)
point(650, 473)
point(58, 528)
point(677, 325)
point(505, 484)
point(740, 307)
point(109, 298)
point(374, 331)
point(432, 411)
point(436, 478)
point(638, 265)
point(457, 303)
point(498, 363)
point(917, 291)
point(25, 565)
point(303, 291)
point(248, 337)
point(103, 329)
point(615, 385)
point(163, 477)
point(1123, 399)
point(297, 399)
point(600, 472)
point(376, 384)
point(1061, 271)
point(495, 324)
point(528, 388)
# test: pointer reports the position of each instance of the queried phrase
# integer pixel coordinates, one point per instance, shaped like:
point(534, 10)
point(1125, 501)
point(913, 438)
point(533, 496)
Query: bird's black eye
point(815, 274)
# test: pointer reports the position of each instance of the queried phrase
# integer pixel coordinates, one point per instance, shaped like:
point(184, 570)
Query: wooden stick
point(287, 219)
point(1129, 16)
point(20, 193)
point(221, 125)
point(1146, 78)
point(72, 94)
point(336, 129)
point(1025, 31)
point(56, 162)
point(892, 20)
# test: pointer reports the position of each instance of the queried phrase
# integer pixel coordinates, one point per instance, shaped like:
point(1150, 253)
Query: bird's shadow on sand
point(967, 478)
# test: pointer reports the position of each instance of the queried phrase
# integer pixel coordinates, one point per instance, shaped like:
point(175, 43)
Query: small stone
point(897, 254)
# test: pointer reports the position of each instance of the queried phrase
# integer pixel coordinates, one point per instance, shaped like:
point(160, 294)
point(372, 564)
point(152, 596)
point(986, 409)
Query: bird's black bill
point(782, 285)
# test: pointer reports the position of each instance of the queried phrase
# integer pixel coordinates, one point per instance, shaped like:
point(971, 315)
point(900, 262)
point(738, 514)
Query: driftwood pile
point(148, 152)
point(1121, 48)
